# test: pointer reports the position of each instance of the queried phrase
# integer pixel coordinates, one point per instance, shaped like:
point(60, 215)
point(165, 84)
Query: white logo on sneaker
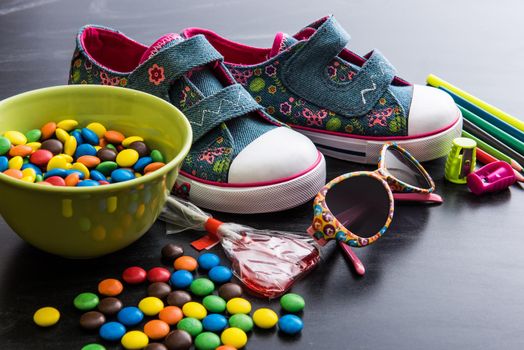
point(237, 104)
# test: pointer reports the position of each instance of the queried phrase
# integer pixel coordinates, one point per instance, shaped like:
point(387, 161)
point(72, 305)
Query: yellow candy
point(29, 172)
point(16, 162)
point(238, 306)
point(16, 137)
point(151, 306)
point(67, 124)
point(195, 310)
point(130, 140)
point(127, 158)
point(97, 148)
point(28, 179)
point(234, 337)
point(61, 135)
point(70, 146)
point(34, 145)
point(57, 162)
point(265, 318)
point(137, 175)
point(46, 316)
point(134, 340)
point(97, 128)
point(82, 168)
point(67, 157)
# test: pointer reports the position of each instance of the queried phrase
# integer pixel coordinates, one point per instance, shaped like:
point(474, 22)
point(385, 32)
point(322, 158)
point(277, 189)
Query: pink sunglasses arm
point(350, 254)
point(418, 197)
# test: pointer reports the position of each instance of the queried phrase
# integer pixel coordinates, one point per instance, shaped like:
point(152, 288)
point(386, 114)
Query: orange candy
point(185, 262)
point(171, 315)
point(103, 142)
point(153, 166)
point(17, 174)
point(110, 287)
point(48, 130)
point(156, 329)
point(72, 179)
point(225, 347)
point(20, 150)
point(114, 137)
point(89, 161)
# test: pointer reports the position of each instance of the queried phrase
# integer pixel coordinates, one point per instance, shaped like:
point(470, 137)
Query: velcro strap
point(305, 74)
point(230, 102)
point(156, 75)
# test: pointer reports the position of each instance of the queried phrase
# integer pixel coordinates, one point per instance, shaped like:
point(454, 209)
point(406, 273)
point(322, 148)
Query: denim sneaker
point(242, 160)
point(347, 104)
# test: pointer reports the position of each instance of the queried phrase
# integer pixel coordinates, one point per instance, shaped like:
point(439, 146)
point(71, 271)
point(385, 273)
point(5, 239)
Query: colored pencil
point(486, 158)
point(435, 81)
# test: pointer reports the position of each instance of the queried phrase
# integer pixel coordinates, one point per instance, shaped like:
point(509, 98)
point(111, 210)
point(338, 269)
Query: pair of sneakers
point(255, 112)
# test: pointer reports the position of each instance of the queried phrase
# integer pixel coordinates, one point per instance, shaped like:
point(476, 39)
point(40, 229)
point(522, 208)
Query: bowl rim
point(113, 186)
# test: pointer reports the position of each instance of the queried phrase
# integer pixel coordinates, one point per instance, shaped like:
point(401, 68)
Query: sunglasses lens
point(360, 203)
point(403, 169)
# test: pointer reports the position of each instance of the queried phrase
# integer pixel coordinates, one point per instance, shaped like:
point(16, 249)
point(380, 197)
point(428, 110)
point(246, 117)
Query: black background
point(443, 277)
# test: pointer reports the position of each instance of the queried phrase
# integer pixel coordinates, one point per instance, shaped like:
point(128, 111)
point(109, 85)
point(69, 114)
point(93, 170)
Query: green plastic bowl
point(84, 222)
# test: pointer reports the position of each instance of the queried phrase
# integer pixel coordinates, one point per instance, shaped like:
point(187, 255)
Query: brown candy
point(141, 148)
point(229, 291)
point(53, 146)
point(178, 340)
point(156, 346)
point(106, 154)
point(178, 298)
point(92, 320)
point(109, 306)
point(172, 251)
point(158, 289)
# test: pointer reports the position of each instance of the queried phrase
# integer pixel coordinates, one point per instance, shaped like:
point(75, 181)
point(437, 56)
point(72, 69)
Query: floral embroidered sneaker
point(347, 104)
point(242, 160)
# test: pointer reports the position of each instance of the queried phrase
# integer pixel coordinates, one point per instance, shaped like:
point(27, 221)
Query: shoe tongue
point(159, 44)
point(282, 41)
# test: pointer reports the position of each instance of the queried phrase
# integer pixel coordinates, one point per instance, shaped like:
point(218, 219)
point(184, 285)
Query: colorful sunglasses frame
point(325, 225)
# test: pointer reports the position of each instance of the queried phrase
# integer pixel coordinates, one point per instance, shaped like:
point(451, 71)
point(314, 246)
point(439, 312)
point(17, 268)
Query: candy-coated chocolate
point(185, 262)
point(85, 149)
point(292, 302)
point(114, 137)
point(20, 150)
point(158, 274)
point(178, 298)
point(92, 320)
point(171, 315)
point(110, 287)
point(178, 340)
point(81, 167)
point(16, 137)
point(214, 323)
point(57, 162)
point(97, 175)
point(190, 325)
point(127, 158)
point(67, 124)
point(207, 341)
point(229, 291)
point(4, 163)
point(112, 331)
point(87, 183)
point(140, 147)
point(207, 261)
point(35, 146)
point(157, 156)
point(14, 173)
point(158, 289)
point(46, 316)
point(156, 329)
point(202, 286)
point(195, 310)
point(97, 128)
point(172, 251)
point(106, 154)
point(86, 301)
point(41, 157)
point(121, 175)
point(234, 337)
point(110, 306)
point(151, 306)
point(238, 306)
point(153, 166)
point(265, 318)
point(89, 136)
point(214, 303)
point(130, 316)
point(52, 145)
point(242, 321)
point(156, 346)
point(56, 172)
point(220, 274)
point(93, 346)
point(134, 275)
point(290, 324)
point(142, 163)
point(70, 146)
point(225, 347)
point(48, 130)
point(5, 145)
point(16, 163)
point(72, 179)
point(89, 161)
point(181, 279)
point(33, 135)
point(129, 140)
point(134, 340)
point(61, 135)
point(78, 136)
point(32, 166)
point(55, 181)
point(107, 167)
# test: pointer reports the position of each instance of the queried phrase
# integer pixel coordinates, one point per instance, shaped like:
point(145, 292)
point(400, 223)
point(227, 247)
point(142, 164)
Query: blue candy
point(4, 164)
point(214, 323)
point(290, 324)
point(181, 279)
point(90, 136)
point(208, 260)
point(130, 316)
point(29, 165)
point(142, 163)
point(220, 274)
point(97, 175)
point(72, 171)
point(121, 175)
point(87, 183)
point(112, 331)
point(56, 172)
point(78, 136)
point(85, 149)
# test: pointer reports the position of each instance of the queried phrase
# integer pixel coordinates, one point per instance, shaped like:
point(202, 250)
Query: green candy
point(207, 341)
point(33, 135)
point(157, 156)
point(292, 302)
point(214, 304)
point(39, 178)
point(86, 301)
point(190, 325)
point(242, 321)
point(202, 286)
point(107, 167)
point(5, 145)
point(111, 146)
point(93, 346)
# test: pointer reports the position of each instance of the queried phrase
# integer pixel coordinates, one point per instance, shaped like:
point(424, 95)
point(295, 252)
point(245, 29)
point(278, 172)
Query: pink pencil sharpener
point(492, 177)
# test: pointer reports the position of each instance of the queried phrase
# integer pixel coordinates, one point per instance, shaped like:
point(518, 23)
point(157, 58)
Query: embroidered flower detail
point(285, 108)
point(379, 117)
point(78, 63)
point(83, 82)
point(349, 128)
point(382, 101)
point(156, 74)
point(314, 118)
point(123, 82)
point(257, 71)
point(351, 74)
point(271, 70)
point(332, 71)
point(272, 89)
point(258, 99)
point(271, 109)
point(88, 65)
point(105, 79)
point(241, 76)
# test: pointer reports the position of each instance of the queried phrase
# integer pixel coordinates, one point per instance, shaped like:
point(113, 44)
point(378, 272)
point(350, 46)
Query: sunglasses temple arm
point(350, 254)
point(418, 197)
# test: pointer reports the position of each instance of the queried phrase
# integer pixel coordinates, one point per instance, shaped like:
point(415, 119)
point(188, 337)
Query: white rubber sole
point(367, 151)
point(257, 199)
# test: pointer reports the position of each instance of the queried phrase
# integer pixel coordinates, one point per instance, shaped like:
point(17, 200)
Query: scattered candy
point(171, 251)
point(265, 318)
point(207, 261)
point(158, 274)
point(178, 298)
point(290, 324)
point(242, 321)
point(214, 304)
point(225, 347)
point(238, 306)
point(151, 306)
point(156, 329)
point(220, 274)
point(214, 323)
point(171, 315)
point(234, 337)
point(195, 310)
point(178, 340)
point(181, 279)
point(110, 287)
point(46, 316)
point(93, 346)
point(156, 346)
point(201, 287)
point(158, 289)
point(110, 306)
point(130, 316)
point(134, 274)
point(112, 331)
point(207, 341)
point(86, 301)
point(134, 340)
point(92, 320)
point(190, 325)
point(185, 262)
point(292, 302)
point(229, 291)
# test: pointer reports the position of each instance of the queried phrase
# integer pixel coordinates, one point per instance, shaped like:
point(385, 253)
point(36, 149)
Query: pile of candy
point(62, 154)
point(198, 317)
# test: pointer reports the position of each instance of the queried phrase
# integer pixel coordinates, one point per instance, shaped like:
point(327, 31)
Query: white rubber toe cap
point(431, 110)
point(277, 154)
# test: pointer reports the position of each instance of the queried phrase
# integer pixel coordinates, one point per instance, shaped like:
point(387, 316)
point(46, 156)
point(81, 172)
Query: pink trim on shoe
point(255, 184)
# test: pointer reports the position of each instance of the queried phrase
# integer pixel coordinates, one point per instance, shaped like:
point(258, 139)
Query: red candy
point(158, 274)
point(134, 275)
point(41, 157)
point(55, 181)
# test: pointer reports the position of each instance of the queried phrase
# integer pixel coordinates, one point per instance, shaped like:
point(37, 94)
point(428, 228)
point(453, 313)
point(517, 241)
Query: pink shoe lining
point(255, 184)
